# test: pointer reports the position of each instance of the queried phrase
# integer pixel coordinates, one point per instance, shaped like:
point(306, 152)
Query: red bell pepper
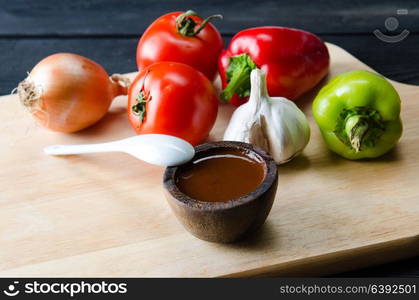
point(294, 61)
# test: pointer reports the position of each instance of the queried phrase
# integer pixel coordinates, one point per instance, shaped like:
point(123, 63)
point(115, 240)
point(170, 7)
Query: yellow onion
point(67, 92)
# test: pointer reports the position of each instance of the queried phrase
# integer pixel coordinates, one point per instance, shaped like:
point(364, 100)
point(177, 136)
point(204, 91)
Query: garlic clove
point(258, 135)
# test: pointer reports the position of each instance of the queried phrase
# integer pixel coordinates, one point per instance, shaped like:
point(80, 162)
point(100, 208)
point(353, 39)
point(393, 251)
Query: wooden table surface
point(107, 31)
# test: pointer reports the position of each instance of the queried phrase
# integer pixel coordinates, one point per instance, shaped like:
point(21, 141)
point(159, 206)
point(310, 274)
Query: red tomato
point(174, 99)
point(177, 37)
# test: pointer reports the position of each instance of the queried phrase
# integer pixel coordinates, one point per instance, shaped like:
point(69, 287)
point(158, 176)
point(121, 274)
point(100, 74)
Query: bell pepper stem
point(238, 77)
point(359, 127)
point(356, 127)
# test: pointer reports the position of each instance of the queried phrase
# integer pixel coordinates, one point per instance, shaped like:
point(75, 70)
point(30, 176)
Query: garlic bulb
point(275, 124)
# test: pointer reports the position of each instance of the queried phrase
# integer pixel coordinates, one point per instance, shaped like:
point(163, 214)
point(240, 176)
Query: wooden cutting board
point(105, 214)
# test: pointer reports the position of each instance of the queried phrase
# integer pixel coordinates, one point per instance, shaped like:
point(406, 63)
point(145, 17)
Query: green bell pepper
point(358, 114)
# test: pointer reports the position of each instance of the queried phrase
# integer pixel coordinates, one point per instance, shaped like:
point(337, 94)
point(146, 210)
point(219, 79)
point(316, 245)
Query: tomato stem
point(139, 109)
point(238, 77)
point(186, 25)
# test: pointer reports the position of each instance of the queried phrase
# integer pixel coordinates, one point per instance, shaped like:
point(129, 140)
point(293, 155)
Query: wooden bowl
point(224, 222)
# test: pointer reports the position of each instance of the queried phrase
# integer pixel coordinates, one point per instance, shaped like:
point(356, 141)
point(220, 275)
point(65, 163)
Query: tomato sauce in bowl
point(224, 175)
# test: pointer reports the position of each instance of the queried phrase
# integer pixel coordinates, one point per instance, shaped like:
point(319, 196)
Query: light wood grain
point(105, 214)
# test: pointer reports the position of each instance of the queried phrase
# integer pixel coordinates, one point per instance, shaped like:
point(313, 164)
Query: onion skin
point(67, 92)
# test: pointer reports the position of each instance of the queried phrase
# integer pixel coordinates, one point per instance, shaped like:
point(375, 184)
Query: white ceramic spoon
point(156, 149)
